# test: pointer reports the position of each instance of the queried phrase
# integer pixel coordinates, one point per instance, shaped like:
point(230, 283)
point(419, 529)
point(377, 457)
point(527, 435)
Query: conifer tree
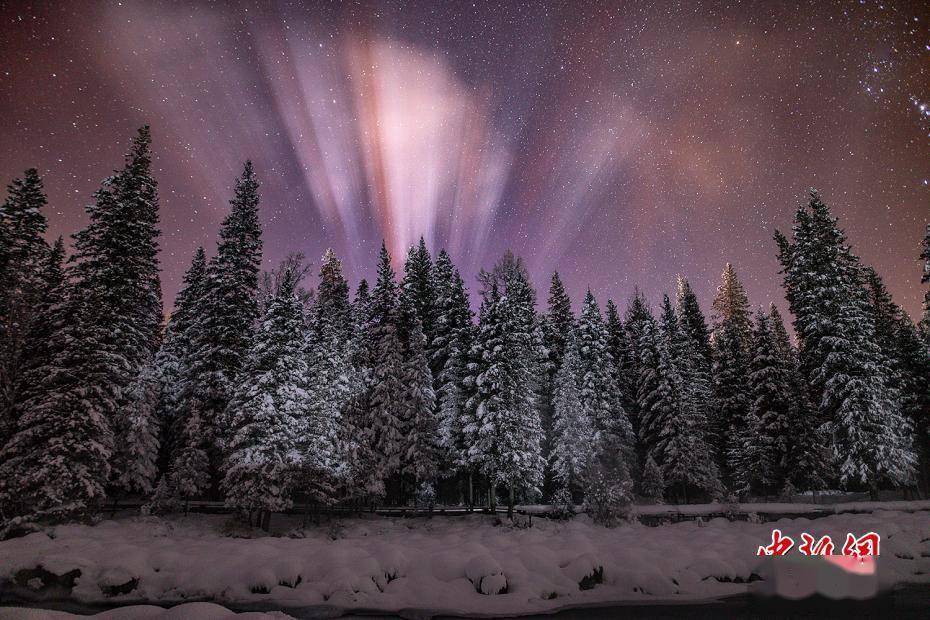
point(765, 449)
point(226, 316)
point(653, 485)
point(23, 253)
point(387, 390)
point(55, 466)
point(731, 345)
point(632, 370)
point(506, 425)
point(599, 393)
point(573, 434)
point(808, 456)
point(840, 355)
point(136, 454)
point(557, 325)
point(925, 279)
point(422, 442)
point(267, 412)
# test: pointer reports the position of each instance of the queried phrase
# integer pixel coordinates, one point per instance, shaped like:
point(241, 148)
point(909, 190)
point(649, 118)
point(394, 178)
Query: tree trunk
point(266, 521)
point(471, 491)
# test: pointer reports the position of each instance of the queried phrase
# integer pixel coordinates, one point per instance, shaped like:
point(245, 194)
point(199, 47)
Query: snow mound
point(459, 566)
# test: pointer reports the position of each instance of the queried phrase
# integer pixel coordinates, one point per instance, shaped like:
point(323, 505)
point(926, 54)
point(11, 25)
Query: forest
point(262, 390)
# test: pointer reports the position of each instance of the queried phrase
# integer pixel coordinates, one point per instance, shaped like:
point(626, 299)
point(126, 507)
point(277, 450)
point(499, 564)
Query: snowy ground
point(462, 565)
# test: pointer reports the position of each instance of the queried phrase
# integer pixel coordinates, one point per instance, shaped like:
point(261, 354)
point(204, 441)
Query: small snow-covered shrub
point(426, 496)
point(164, 500)
point(607, 496)
point(563, 507)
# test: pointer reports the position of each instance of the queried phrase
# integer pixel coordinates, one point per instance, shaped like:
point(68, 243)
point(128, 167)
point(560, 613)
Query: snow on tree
point(670, 426)
point(632, 371)
point(840, 354)
point(136, 453)
point(226, 315)
point(765, 448)
point(386, 389)
point(925, 279)
point(653, 485)
point(506, 424)
point(268, 411)
point(23, 252)
point(452, 341)
point(574, 438)
point(808, 451)
point(190, 468)
point(55, 466)
point(421, 454)
point(731, 342)
point(598, 392)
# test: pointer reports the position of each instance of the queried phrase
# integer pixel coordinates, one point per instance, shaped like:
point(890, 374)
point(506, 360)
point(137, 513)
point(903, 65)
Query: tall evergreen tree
point(506, 425)
point(557, 326)
point(23, 253)
point(840, 355)
point(56, 465)
point(731, 346)
point(638, 321)
point(573, 435)
point(226, 313)
point(925, 279)
point(387, 389)
point(808, 455)
point(267, 411)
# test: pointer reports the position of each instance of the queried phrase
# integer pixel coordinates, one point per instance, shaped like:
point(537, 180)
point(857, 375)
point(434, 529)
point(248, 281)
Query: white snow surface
point(464, 565)
point(185, 611)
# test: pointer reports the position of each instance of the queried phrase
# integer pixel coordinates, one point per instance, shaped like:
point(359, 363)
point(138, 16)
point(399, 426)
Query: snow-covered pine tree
point(452, 341)
point(731, 342)
point(632, 372)
point(332, 310)
point(765, 450)
point(574, 438)
point(327, 443)
point(23, 254)
point(386, 388)
point(670, 425)
point(420, 284)
point(173, 359)
point(55, 466)
point(694, 361)
point(190, 468)
point(508, 432)
point(599, 394)
point(226, 316)
point(925, 279)
point(135, 458)
point(557, 325)
point(421, 442)
point(808, 456)
point(653, 485)
point(825, 285)
point(267, 412)
point(116, 276)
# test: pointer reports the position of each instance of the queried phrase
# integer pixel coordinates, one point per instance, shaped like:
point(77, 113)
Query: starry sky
point(620, 142)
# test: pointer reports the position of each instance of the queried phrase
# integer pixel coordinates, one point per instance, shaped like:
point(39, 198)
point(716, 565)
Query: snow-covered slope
point(460, 565)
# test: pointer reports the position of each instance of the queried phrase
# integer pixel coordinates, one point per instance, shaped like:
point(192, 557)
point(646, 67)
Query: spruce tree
point(846, 369)
point(573, 434)
point(387, 389)
point(55, 466)
point(925, 279)
point(765, 449)
point(632, 372)
point(808, 451)
point(731, 346)
point(653, 485)
point(226, 316)
point(267, 411)
point(557, 325)
point(23, 253)
point(135, 461)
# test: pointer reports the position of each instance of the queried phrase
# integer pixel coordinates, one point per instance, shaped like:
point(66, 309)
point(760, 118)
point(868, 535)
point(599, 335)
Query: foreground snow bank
point(456, 565)
point(186, 611)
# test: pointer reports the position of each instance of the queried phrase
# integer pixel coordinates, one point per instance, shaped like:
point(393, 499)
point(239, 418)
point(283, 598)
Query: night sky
point(620, 143)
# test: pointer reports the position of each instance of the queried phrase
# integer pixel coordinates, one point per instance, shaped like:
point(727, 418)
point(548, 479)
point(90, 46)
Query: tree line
point(261, 391)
